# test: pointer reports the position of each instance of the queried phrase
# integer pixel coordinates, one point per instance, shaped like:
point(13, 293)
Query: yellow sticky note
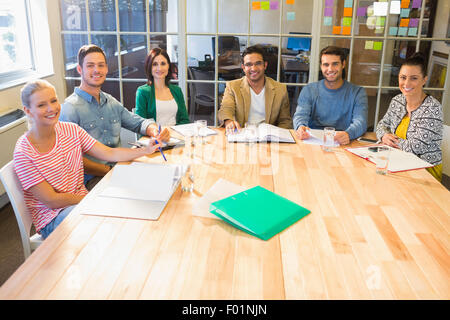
point(348, 12)
point(265, 5)
point(346, 30)
point(256, 5)
point(337, 29)
point(404, 22)
point(290, 1)
point(369, 45)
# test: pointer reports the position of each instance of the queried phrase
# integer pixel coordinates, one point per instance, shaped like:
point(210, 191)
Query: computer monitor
point(298, 44)
point(226, 43)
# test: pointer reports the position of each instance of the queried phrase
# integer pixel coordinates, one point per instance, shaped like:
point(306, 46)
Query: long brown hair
point(149, 62)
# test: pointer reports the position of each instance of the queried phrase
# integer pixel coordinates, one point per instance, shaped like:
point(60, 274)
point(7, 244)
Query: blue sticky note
point(402, 31)
point(404, 13)
point(412, 32)
point(290, 16)
point(348, 4)
point(327, 21)
point(393, 31)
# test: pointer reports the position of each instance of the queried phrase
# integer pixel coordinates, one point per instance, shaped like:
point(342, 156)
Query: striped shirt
point(61, 167)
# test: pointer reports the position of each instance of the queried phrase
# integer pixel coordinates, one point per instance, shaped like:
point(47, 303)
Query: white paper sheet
point(190, 129)
point(141, 181)
point(317, 138)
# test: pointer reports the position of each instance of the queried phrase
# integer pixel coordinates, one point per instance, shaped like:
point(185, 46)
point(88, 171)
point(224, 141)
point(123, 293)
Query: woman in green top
point(158, 99)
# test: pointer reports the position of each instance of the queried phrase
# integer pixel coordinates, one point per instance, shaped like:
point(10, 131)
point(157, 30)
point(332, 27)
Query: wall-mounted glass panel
point(200, 99)
point(264, 20)
point(229, 55)
point(73, 15)
point(129, 93)
point(370, 18)
point(337, 17)
point(102, 15)
point(297, 17)
point(109, 45)
point(201, 16)
point(163, 15)
point(200, 53)
point(366, 62)
point(71, 44)
point(295, 59)
point(233, 16)
point(133, 51)
point(132, 15)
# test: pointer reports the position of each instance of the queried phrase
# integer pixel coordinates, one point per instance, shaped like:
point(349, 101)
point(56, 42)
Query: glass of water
point(201, 126)
point(382, 160)
point(251, 132)
point(328, 138)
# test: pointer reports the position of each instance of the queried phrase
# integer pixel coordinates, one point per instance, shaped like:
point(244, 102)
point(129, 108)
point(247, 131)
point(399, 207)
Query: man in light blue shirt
point(332, 102)
point(99, 113)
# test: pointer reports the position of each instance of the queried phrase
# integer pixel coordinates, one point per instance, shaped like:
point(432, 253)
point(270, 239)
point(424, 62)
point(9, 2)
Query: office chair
point(15, 193)
point(201, 94)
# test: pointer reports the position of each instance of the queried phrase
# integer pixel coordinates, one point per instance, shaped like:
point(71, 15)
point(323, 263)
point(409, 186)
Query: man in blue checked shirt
point(99, 113)
point(332, 102)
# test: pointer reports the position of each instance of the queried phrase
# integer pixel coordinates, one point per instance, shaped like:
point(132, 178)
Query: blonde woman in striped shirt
point(48, 158)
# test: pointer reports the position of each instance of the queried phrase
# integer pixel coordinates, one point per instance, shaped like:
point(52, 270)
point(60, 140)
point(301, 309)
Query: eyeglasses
point(256, 64)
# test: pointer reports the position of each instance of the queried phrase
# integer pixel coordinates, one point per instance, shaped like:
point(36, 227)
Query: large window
point(205, 39)
point(24, 41)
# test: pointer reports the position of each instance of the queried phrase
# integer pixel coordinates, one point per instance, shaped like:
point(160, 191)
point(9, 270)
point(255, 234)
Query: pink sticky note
point(413, 22)
point(328, 12)
point(361, 12)
point(273, 5)
point(417, 3)
point(329, 3)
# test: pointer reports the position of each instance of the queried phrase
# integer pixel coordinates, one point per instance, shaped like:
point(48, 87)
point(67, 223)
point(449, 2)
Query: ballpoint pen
point(160, 149)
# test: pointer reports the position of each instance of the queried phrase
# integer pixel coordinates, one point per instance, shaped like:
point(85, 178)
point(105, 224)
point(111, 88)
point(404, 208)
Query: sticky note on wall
point(337, 29)
point(290, 1)
point(417, 4)
point(405, 4)
point(404, 22)
point(256, 5)
point(404, 13)
point(395, 7)
point(265, 5)
point(361, 12)
point(368, 45)
point(327, 21)
point(329, 3)
point(347, 21)
point(412, 32)
point(377, 45)
point(274, 5)
point(402, 31)
point(348, 3)
point(393, 31)
point(346, 30)
point(328, 12)
point(348, 12)
point(413, 22)
point(290, 16)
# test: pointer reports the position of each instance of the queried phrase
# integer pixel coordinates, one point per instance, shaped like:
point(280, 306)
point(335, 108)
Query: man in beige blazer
point(254, 98)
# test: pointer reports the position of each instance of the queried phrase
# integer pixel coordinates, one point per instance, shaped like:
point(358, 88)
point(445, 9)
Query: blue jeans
point(45, 232)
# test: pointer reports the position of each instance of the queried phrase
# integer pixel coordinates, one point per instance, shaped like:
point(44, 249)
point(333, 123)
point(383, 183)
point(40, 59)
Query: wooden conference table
point(368, 237)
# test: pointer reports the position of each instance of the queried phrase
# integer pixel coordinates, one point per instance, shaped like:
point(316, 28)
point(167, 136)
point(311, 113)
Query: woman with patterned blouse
point(414, 120)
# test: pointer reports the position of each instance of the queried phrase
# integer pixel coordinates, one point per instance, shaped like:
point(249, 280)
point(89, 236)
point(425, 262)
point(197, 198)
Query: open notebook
point(138, 190)
point(398, 160)
point(264, 133)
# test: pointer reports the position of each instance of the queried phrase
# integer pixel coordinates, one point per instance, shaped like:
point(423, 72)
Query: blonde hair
point(31, 87)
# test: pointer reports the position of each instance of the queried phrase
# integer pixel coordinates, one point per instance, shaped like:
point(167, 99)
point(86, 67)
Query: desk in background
point(368, 237)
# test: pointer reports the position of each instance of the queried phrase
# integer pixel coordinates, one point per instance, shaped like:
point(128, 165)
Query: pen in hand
point(157, 142)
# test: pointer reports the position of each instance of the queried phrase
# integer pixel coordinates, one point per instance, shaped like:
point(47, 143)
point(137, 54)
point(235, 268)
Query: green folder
point(259, 212)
